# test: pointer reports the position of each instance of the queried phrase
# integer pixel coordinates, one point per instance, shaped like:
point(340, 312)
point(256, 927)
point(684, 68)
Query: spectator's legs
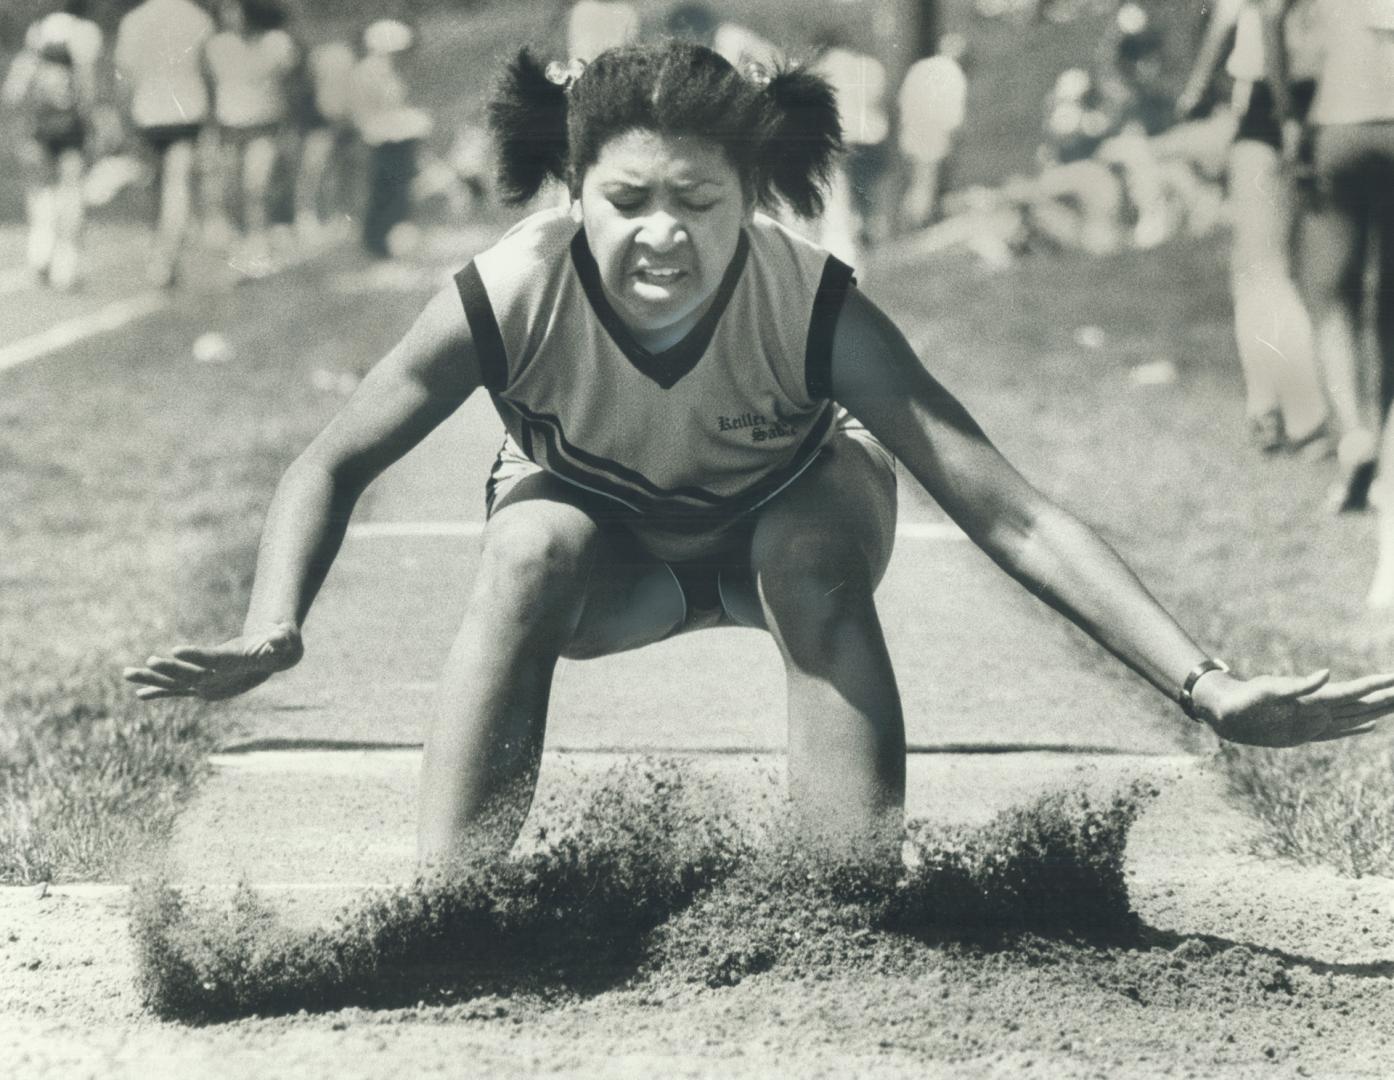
point(176, 179)
point(67, 220)
point(1272, 327)
point(310, 194)
point(217, 160)
point(258, 163)
point(40, 206)
point(1335, 245)
point(392, 167)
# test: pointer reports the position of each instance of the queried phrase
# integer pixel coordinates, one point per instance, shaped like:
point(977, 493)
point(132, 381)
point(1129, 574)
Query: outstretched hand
point(1273, 710)
point(220, 671)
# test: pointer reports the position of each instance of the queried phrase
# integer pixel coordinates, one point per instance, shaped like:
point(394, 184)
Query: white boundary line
point(385, 530)
point(69, 332)
point(15, 278)
point(101, 890)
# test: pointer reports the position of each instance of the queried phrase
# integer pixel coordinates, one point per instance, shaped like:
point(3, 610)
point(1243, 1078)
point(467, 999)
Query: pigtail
point(527, 118)
point(804, 138)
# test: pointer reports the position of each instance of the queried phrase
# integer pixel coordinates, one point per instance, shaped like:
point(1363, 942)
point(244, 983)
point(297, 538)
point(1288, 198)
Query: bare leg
point(63, 271)
point(1334, 250)
point(1272, 327)
point(551, 582)
point(818, 552)
point(175, 196)
point(40, 205)
point(258, 162)
point(315, 152)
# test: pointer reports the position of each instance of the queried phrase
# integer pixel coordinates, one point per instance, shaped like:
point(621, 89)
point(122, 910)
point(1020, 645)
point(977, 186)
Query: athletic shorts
point(240, 137)
point(1355, 167)
point(160, 137)
point(699, 578)
point(1260, 120)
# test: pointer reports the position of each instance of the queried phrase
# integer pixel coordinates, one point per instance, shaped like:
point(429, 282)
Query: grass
point(132, 486)
point(646, 878)
point(1237, 545)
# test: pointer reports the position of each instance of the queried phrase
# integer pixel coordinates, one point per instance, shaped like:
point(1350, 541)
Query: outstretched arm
point(1057, 557)
point(417, 385)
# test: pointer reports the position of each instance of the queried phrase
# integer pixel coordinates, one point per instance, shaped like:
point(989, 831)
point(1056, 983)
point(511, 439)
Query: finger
point(1308, 685)
point(1358, 688)
point(201, 656)
point(154, 693)
point(146, 677)
point(1348, 733)
point(176, 669)
point(1363, 711)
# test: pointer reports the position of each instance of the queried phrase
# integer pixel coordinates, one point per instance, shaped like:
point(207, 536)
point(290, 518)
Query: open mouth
point(658, 275)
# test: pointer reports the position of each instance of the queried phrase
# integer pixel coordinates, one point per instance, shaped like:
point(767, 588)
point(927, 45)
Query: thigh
point(844, 502)
point(631, 598)
point(1261, 203)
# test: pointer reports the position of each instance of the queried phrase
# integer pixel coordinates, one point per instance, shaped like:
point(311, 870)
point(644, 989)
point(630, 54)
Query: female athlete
point(701, 410)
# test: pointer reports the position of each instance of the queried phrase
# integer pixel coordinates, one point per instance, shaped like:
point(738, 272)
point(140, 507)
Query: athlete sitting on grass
point(701, 411)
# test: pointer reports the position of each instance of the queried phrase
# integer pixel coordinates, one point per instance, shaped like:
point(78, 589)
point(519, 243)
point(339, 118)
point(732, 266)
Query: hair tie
point(565, 74)
point(758, 74)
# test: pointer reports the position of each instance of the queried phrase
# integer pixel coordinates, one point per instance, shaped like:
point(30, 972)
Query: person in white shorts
point(1284, 400)
point(250, 62)
point(932, 104)
point(679, 376)
point(159, 66)
point(52, 82)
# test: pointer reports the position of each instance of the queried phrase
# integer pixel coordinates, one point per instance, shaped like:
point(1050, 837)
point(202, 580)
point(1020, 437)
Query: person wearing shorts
point(250, 62)
point(53, 83)
point(677, 373)
point(1352, 133)
point(158, 57)
point(1285, 403)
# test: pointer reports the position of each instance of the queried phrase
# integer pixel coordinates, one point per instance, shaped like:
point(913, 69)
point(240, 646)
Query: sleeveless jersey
point(691, 438)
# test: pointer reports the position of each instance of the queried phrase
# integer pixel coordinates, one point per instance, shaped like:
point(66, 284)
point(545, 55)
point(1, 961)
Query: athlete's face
point(663, 215)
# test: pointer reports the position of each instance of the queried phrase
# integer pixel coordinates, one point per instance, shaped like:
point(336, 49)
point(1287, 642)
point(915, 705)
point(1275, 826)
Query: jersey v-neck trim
point(666, 366)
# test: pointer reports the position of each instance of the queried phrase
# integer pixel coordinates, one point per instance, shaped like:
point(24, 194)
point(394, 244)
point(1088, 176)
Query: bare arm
point(1208, 56)
point(1057, 557)
point(1276, 60)
point(428, 375)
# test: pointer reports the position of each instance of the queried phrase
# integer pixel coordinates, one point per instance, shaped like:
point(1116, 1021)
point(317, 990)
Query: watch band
point(1184, 698)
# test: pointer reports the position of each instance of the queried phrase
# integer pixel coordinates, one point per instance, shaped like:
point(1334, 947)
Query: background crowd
point(265, 135)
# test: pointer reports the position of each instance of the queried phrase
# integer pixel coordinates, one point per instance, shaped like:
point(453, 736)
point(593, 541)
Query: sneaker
point(1355, 457)
point(1266, 431)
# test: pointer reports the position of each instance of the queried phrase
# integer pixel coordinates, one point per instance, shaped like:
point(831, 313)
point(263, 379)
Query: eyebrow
point(681, 185)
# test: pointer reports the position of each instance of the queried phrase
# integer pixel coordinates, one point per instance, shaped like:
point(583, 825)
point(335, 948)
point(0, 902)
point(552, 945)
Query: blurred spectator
point(596, 25)
point(159, 63)
point(250, 61)
point(326, 149)
point(1352, 133)
point(853, 204)
point(1273, 332)
point(52, 83)
point(932, 103)
point(391, 129)
point(692, 22)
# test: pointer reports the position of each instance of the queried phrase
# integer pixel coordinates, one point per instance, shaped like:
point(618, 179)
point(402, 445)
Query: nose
point(661, 231)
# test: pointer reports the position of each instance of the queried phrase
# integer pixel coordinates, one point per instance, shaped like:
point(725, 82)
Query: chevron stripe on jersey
point(689, 438)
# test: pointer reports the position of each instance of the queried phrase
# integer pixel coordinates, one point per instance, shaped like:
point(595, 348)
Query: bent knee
point(814, 582)
point(534, 566)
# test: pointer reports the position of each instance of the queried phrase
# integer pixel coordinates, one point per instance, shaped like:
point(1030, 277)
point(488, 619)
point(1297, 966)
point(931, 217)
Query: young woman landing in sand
point(701, 411)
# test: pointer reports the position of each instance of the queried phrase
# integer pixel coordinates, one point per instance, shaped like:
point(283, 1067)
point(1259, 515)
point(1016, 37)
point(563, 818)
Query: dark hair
point(263, 15)
point(780, 130)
